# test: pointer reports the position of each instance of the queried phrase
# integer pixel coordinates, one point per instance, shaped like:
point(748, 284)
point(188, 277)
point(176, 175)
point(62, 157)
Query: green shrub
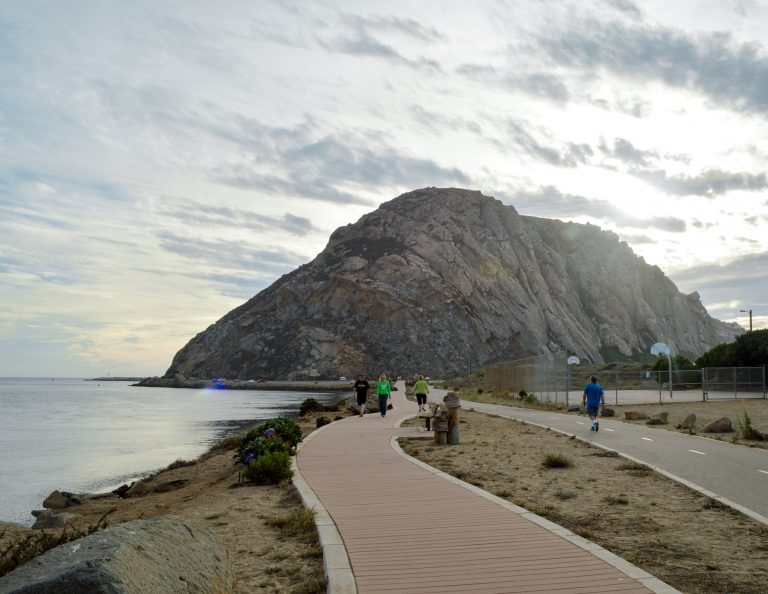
point(529, 398)
point(270, 468)
point(310, 405)
point(284, 428)
point(276, 435)
point(322, 421)
point(745, 427)
point(522, 393)
point(556, 461)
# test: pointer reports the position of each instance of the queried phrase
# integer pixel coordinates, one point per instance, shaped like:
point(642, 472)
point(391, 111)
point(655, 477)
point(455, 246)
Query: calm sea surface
point(87, 436)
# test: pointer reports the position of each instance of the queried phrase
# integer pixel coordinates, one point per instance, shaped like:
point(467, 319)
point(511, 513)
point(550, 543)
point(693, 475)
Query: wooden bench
point(430, 414)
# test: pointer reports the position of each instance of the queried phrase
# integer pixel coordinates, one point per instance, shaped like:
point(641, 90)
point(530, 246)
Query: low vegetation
point(556, 461)
point(266, 451)
point(27, 545)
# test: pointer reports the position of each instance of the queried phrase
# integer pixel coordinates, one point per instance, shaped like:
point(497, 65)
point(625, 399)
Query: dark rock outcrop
point(163, 554)
point(438, 275)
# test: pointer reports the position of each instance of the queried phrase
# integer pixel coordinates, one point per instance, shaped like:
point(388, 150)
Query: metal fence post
point(703, 384)
point(658, 379)
point(763, 381)
point(617, 386)
point(734, 383)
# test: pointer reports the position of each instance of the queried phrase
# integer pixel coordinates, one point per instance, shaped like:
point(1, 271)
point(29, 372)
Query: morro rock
point(437, 276)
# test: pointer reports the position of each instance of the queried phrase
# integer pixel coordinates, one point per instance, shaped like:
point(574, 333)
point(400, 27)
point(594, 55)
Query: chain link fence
point(551, 379)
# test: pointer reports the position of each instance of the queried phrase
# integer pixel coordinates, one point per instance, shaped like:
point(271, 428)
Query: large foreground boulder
point(162, 554)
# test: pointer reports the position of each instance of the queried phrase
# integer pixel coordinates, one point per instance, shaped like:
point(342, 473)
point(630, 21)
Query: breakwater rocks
point(179, 381)
point(162, 554)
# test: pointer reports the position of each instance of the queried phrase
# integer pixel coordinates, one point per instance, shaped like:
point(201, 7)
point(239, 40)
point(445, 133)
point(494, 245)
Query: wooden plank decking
point(407, 529)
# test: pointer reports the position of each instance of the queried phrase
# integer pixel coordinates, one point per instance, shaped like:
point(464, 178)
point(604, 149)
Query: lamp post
point(749, 311)
point(659, 349)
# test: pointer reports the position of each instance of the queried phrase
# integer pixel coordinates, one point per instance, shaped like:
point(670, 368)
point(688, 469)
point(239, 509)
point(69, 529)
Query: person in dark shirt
point(594, 398)
point(361, 389)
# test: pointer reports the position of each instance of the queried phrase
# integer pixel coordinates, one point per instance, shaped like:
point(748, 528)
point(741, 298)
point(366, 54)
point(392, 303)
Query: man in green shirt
point(421, 389)
point(384, 390)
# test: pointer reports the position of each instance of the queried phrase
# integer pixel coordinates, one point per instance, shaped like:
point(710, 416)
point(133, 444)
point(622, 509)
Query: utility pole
point(749, 311)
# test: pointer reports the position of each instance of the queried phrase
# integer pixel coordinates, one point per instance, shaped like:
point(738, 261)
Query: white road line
point(606, 429)
point(697, 452)
point(646, 438)
point(581, 422)
point(763, 471)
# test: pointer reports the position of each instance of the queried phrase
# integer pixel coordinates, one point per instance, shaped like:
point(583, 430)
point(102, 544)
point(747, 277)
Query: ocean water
point(88, 436)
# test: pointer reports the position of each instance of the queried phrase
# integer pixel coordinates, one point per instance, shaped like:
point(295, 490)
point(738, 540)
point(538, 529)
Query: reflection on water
point(79, 436)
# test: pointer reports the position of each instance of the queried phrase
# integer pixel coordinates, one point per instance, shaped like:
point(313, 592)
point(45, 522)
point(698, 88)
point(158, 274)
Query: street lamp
point(659, 349)
point(749, 311)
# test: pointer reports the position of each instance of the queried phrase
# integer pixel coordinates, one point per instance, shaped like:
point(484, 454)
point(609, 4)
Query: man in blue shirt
point(594, 398)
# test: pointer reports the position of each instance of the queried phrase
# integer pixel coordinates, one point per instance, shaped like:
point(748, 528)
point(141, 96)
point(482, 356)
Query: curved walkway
point(407, 527)
point(735, 475)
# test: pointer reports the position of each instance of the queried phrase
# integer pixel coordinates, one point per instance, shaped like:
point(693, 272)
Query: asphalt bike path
point(735, 475)
point(399, 525)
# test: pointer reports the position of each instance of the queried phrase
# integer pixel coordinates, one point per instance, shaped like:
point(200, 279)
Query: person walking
point(421, 389)
point(361, 388)
point(594, 398)
point(384, 391)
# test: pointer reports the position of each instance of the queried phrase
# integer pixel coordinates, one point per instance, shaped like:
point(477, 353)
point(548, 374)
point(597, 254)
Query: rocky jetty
point(438, 276)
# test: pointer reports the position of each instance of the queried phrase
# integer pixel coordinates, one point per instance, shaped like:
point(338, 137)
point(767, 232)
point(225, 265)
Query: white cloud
point(158, 167)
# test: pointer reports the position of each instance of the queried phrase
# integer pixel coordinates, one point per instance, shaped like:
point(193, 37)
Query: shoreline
point(226, 384)
point(208, 491)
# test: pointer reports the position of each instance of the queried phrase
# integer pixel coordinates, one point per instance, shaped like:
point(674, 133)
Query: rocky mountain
point(437, 276)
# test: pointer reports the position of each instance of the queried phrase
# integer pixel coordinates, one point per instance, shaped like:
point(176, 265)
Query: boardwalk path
point(407, 528)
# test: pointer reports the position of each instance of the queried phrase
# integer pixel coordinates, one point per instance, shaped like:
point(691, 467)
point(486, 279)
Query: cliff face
point(437, 274)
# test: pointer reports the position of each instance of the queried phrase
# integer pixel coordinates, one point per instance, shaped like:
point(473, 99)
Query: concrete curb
point(646, 579)
point(336, 565)
point(678, 479)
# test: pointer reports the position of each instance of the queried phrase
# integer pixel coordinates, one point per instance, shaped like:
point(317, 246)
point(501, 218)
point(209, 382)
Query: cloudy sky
point(161, 162)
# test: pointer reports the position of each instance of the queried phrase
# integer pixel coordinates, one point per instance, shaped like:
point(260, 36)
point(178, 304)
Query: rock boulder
point(49, 519)
point(721, 425)
point(61, 500)
point(635, 415)
point(162, 554)
point(661, 418)
point(762, 430)
point(689, 422)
